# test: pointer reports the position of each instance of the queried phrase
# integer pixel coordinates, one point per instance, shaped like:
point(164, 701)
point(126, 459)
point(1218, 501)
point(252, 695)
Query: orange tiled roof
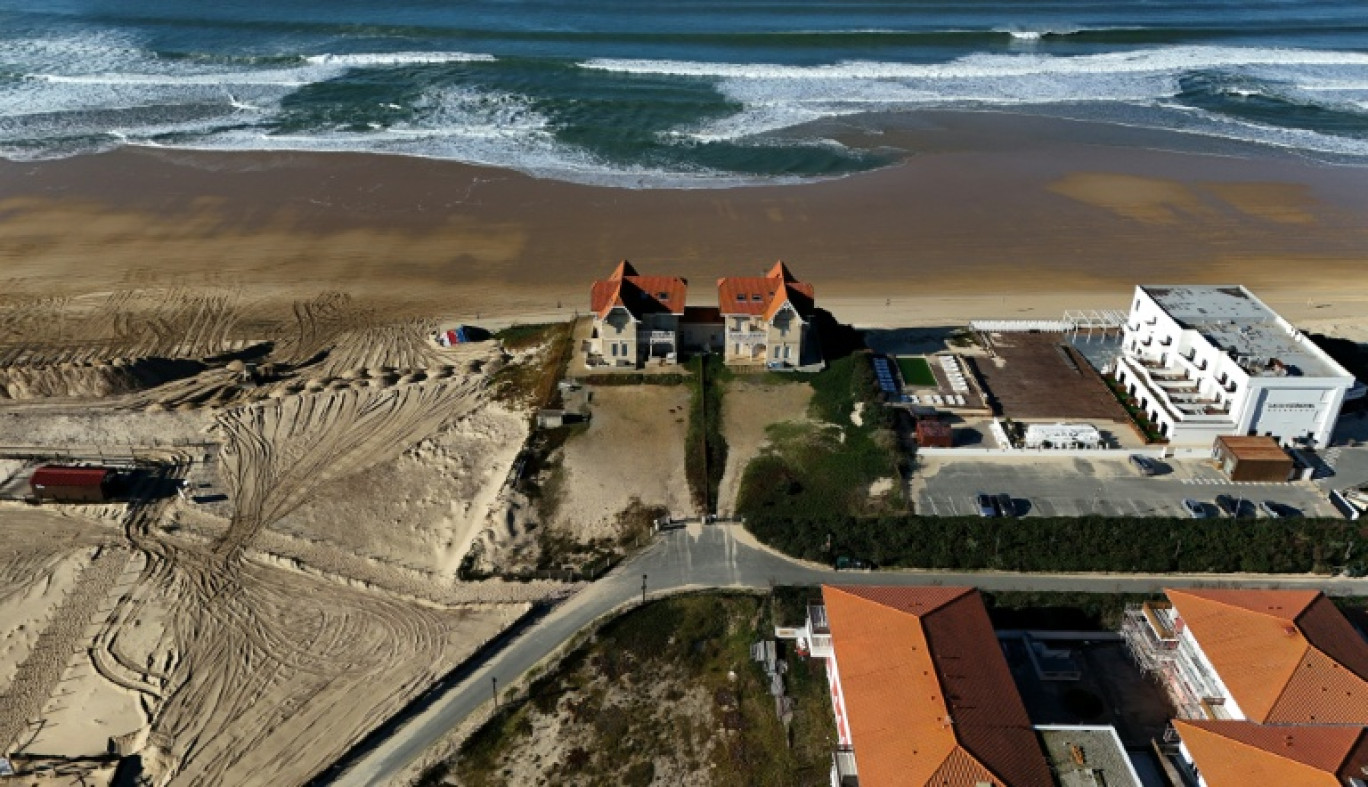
point(637, 294)
point(1241, 753)
point(928, 696)
point(765, 295)
point(1287, 656)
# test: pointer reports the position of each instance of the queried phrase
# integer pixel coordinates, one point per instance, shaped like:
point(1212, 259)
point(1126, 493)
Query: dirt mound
point(91, 380)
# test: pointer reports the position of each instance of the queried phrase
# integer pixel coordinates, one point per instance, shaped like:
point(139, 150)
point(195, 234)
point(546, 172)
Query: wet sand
point(995, 215)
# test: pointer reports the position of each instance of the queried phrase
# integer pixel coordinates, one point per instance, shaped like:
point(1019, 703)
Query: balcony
point(819, 632)
point(656, 337)
point(843, 772)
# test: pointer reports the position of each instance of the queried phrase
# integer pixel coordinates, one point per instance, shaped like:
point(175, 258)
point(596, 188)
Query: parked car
point(1144, 464)
point(1006, 506)
point(1238, 507)
point(1195, 509)
point(987, 507)
point(1275, 510)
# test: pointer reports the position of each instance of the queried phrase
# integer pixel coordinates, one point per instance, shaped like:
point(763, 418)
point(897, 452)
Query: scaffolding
point(1152, 632)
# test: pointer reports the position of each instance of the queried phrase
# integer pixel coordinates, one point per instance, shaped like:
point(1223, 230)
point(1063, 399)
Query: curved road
point(726, 556)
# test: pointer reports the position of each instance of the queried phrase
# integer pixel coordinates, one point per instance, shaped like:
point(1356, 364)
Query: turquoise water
point(651, 94)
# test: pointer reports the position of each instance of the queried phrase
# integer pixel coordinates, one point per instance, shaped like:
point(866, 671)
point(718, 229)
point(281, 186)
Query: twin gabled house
point(766, 319)
point(758, 320)
point(636, 317)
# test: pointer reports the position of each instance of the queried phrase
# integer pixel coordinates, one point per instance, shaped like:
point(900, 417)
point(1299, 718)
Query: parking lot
point(1044, 485)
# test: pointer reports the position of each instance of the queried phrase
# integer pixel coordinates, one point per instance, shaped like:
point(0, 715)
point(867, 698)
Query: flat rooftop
point(1080, 755)
point(1242, 326)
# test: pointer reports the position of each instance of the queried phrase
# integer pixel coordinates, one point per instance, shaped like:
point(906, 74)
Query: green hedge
point(705, 449)
point(1145, 545)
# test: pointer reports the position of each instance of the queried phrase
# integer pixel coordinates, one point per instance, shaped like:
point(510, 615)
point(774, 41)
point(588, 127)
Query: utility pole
point(494, 685)
point(643, 588)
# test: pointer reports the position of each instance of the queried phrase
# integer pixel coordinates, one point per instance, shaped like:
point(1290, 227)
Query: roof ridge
point(1220, 599)
point(850, 590)
point(1217, 727)
point(1291, 676)
point(978, 761)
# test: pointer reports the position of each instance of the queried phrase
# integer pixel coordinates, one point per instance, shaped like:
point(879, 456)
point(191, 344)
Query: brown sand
point(1020, 207)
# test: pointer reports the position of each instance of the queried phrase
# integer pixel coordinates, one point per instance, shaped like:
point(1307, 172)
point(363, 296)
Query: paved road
point(720, 556)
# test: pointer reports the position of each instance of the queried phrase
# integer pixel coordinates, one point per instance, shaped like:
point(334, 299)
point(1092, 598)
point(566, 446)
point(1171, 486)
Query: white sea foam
point(775, 97)
point(1164, 60)
point(374, 59)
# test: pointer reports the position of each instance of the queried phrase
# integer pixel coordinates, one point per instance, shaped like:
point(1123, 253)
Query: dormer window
point(755, 296)
point(741, 298)
point(664, 296)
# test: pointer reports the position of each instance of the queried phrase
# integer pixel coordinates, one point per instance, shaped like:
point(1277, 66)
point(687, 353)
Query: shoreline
point(995, 215)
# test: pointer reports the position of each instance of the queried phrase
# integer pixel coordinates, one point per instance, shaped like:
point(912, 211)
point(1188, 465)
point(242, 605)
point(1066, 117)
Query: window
point(664, 296)
point(755, 296)
point(614, 347)
point(740, 297)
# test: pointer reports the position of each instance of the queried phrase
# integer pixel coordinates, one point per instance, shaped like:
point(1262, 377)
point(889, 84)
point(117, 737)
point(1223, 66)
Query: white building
point(1062, 436)
point(1203, 361)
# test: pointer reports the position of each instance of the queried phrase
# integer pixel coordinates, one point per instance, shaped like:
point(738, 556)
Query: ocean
point(644, 94)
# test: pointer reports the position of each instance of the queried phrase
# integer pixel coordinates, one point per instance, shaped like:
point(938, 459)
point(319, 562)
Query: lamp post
point(643, 588)
point(494, 686)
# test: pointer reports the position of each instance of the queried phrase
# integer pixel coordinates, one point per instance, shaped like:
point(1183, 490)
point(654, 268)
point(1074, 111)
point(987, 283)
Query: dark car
point(987, 506)
point(1237, 507)
point(1144, 464)
point(1006, 506)
point(1275, 510)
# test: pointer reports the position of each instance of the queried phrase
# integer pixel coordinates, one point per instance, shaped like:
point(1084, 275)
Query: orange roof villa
point(636, 317)
point(767, 319)
point(1269, 686)
point(921, 691)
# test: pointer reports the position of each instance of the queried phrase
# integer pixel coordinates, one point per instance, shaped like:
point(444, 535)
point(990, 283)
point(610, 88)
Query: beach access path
point(720, 556)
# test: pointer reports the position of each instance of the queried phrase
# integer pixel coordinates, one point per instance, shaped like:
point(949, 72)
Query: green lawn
point(916, 372)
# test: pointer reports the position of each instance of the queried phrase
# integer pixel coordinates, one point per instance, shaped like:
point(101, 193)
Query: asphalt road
point(719, 556)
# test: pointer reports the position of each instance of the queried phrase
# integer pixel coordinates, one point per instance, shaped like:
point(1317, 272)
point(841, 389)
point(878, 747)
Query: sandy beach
point(998, 215)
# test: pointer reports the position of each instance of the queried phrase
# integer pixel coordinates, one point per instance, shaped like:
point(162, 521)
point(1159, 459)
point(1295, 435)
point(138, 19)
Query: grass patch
point(522, 337)
point(1123, 545)
point(670, 683)
point(916, 371)
point(531, 381)
point(705, 449)
point(825, 470)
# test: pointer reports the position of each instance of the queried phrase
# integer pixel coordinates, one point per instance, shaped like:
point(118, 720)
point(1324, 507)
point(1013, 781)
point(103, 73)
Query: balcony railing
point(746, 337)
point(656, 336)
